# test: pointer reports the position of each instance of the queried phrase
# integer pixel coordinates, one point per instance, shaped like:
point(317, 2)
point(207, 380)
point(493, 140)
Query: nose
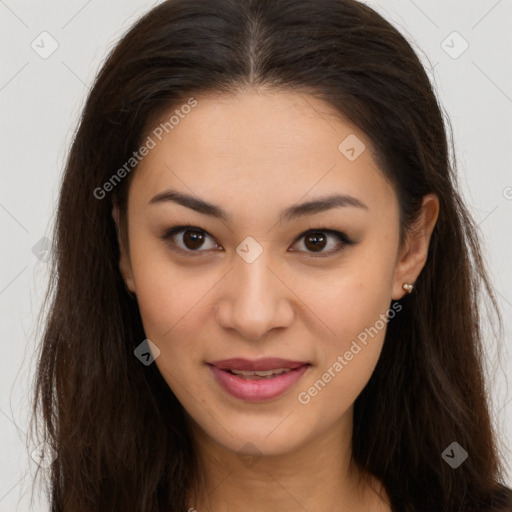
point(254, 299)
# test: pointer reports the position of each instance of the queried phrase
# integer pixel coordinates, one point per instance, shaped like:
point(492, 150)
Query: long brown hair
point(118, 430)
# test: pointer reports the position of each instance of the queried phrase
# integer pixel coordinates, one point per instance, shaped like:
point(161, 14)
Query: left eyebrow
point(320, 205)
point(303, 209)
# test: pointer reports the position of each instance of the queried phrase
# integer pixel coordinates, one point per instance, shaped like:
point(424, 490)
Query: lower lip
point(258, 390)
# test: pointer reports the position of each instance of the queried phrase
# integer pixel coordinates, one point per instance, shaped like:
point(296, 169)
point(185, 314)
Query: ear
point(415, 252)
point(125, 265)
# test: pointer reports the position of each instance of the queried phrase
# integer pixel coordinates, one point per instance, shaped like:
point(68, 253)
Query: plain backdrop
point(464, 45)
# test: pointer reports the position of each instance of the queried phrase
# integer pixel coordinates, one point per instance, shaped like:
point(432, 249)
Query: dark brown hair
point(118, 430)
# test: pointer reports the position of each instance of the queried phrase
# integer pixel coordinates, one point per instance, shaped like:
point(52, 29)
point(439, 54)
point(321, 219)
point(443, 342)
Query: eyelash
point(342, 237)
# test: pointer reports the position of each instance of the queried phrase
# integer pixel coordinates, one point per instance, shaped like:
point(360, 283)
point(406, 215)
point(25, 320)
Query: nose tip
point(254, 321)
point(254, 301)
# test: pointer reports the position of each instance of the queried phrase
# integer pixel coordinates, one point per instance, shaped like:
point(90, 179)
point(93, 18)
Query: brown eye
point(193, 239)
point(189, 239)
point(324, 242)
point(315, 241)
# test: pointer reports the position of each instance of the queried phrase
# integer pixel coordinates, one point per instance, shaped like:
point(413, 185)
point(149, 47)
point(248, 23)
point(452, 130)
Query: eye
point(315, 241)
point(191, 239)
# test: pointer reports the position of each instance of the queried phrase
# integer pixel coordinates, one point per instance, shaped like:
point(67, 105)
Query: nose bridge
point(254, 300)
point(254, 278)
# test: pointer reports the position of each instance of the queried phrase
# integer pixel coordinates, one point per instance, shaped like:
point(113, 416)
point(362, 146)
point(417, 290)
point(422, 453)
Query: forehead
point(259, 148)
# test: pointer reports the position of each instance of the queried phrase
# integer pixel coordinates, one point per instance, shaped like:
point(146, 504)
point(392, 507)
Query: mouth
point(257, 380)
point(260, 374)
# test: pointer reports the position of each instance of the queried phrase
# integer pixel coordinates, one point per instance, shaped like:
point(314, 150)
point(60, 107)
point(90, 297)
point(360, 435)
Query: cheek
point(172, 311)
point(172, 305)
point(354, 297)
point(359, 324)
point(167, 296)
point(355, 311)
point(345, 362)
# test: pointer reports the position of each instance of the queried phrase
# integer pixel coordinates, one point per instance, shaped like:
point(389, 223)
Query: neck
point(319, 475)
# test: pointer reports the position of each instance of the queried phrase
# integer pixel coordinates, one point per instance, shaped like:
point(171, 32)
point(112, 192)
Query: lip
point(257, 390)
point(266, 363)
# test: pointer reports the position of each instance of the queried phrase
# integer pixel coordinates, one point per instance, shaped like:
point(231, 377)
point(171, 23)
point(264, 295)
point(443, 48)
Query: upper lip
point(266, 363)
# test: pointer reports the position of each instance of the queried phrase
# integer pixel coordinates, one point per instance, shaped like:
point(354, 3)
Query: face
point(290, 251)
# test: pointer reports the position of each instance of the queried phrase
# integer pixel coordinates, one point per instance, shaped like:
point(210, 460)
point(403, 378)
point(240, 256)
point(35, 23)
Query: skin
point(254, 154)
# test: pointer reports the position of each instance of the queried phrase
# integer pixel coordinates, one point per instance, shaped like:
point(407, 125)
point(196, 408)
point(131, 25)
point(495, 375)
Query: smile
point(257, 380)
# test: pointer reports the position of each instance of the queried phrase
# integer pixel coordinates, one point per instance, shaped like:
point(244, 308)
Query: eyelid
point(342, 237)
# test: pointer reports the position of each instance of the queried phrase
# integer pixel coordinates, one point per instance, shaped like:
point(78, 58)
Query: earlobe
point(414, 256)
point(124, 258)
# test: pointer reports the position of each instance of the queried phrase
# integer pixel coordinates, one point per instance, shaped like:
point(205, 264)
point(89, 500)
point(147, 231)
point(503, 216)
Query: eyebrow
point(303, 209)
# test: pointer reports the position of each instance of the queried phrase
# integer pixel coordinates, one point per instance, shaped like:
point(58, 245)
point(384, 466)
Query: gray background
point(41, 99)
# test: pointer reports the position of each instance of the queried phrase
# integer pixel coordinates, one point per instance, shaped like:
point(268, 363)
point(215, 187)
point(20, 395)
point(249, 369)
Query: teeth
point(260, 373)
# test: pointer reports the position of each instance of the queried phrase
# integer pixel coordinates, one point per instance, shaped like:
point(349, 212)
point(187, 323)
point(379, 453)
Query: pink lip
point(266, 363)
point(257, 390)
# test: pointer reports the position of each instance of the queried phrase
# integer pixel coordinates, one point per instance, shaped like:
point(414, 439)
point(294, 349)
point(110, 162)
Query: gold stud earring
point(408, 287)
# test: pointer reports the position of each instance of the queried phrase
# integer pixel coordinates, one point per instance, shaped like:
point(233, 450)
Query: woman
point(266, 285)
